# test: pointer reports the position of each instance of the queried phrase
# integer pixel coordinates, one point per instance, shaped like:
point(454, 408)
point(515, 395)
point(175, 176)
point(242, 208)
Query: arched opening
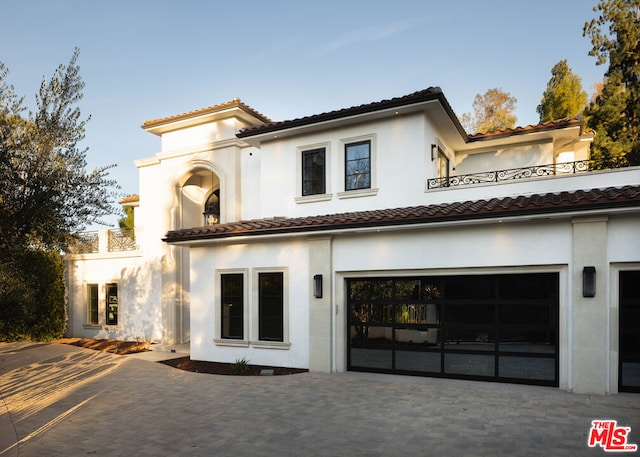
point(200, 199)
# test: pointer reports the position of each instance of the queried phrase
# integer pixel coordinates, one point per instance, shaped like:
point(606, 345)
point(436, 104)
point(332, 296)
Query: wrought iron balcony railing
point(87, 243)
point(537, 171)
point(123, 239)
point(113, 240)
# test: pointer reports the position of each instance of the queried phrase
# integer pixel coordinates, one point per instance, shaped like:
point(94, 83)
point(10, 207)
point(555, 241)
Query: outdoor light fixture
point(589, 282)
point(433, 151)
point(317, 286)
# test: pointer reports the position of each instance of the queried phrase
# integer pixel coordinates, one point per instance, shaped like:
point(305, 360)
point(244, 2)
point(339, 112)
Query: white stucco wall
point(139, 297)
point(292, 258)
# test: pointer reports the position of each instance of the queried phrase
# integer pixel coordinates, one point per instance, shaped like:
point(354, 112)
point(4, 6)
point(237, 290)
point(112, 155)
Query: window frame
point(365, 191)
point(224, 299)
point(107, 305)
point(219, 340)
point(256, 313)
point(307, 155)
point(89, 304)
point(310, 198)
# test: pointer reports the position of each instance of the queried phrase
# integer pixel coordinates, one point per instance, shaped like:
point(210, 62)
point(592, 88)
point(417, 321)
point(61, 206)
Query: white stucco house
point(379, 238)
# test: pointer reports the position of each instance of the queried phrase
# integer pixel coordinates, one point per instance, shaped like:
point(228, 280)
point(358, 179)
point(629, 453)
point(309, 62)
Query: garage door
point(629, 363)
point(485, 327)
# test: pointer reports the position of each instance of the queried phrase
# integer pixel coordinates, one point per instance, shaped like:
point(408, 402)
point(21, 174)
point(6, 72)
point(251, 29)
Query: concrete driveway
point(60, 400)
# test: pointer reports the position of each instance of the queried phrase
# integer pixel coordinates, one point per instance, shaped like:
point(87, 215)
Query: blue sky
point(147, 59)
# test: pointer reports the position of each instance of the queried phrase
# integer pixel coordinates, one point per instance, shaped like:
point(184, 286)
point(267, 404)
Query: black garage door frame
point(494, 327)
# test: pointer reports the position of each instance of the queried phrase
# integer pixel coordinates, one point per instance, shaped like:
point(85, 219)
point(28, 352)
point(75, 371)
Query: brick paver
point(69, 401)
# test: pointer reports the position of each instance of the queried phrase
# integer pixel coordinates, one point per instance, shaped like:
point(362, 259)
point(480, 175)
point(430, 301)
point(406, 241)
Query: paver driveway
point(67, 401)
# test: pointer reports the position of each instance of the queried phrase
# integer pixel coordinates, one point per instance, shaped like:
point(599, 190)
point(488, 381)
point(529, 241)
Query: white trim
point(327, 173)
point(373, 160)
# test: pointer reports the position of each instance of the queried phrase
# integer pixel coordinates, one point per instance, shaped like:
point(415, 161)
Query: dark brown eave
point(523, 206)
point(427, 95)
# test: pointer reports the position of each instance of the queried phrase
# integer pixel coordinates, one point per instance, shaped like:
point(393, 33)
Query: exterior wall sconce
point(589, 282)
point(317, 286)
point(434, 147)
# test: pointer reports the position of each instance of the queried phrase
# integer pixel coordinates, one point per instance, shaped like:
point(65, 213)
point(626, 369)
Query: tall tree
point(491, 111)
point(615, 112)
point(47, 191)
point(564, 95)
point(46, 194)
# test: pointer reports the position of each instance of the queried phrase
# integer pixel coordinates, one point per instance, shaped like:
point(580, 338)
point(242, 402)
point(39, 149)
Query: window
point(443, 167)
point(112, 304)
point(357, 158)
point(212, 208)
point(313, 172)
point(271, 306)
point(92, 304)
point(232, 303)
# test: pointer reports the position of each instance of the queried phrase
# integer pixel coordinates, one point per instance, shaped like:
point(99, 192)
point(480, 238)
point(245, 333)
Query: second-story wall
point(400, 163)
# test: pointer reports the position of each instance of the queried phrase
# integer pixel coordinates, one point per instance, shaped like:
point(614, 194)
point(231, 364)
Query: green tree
point(491, 112)
point(47, 191)
point(615, 112)
point(127, 221)
point(564, 96)
point(47, 194)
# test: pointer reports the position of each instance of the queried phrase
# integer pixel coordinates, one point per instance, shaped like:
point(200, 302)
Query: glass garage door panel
point(421, 362)
point(469, 364)
point(533, 368)
point(379, 359)
point(629, 374)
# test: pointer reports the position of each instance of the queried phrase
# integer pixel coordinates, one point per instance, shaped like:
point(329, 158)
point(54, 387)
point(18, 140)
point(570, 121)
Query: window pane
point(469, 364)
point(313, 172)
point(232, 295)
point(371, 358)
point(112, 304)
point(271, 303)
point(92, 303)
point(428, 362)
point(527, 368)
point(358, 166)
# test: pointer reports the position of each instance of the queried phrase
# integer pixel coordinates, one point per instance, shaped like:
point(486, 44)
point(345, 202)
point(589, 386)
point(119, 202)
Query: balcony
point(537, 171)
point(102, 241)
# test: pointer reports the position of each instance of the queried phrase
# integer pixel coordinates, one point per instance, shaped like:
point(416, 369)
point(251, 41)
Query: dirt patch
point(113, 346)
point(197, 366)
point(183, 363)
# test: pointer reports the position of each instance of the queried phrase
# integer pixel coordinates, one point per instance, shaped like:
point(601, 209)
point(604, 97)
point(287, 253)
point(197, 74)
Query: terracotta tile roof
point(550, 125)
point(432, 93)
point(130, 199)
point(563, 202)
point(235, 103)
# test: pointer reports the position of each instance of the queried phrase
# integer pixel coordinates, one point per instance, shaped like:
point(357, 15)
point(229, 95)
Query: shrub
point(241, 366)
point(32, 296)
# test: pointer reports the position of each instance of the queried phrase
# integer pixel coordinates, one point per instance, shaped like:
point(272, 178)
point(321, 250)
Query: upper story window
point(212, 209)
point(443, 165)
point(357, 157)
point(314, 172)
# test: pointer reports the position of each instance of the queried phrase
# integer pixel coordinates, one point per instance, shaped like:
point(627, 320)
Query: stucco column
point(320, 263)
point(589, 348)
